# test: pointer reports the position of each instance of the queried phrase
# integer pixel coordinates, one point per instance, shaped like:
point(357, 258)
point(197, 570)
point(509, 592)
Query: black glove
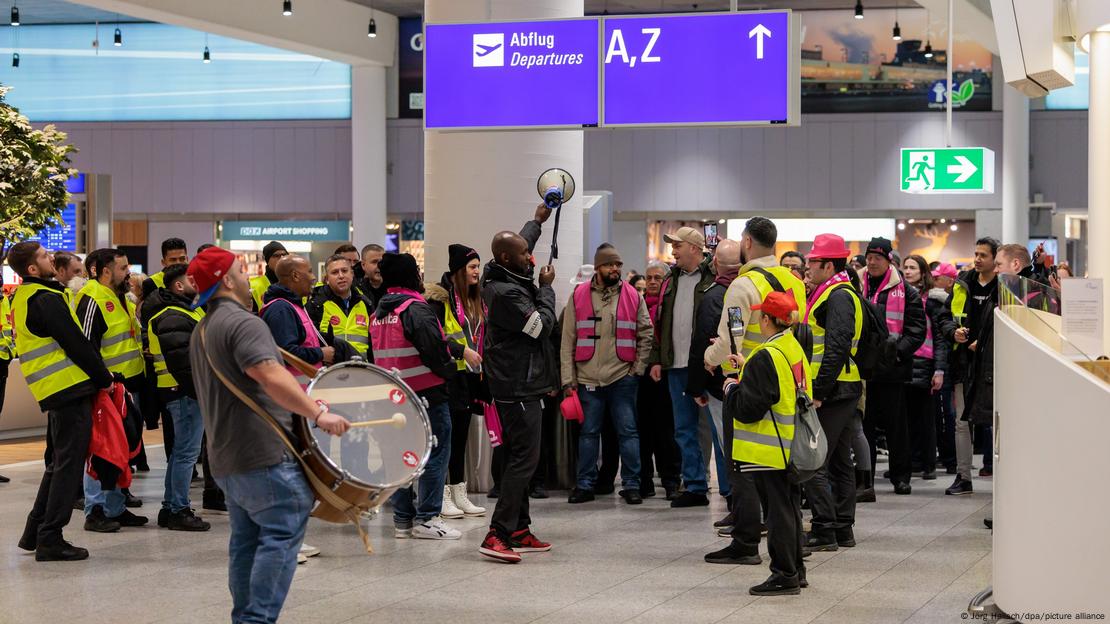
point(118, 377)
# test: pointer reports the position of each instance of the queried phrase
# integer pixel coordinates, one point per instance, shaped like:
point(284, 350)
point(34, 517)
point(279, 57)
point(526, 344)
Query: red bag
point(109, 439)
point(572, 407)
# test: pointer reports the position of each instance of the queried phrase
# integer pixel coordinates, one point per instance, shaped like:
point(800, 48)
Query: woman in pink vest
point(407, 337)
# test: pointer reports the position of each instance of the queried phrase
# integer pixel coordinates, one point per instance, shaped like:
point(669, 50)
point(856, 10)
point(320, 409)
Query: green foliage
point(34, 167)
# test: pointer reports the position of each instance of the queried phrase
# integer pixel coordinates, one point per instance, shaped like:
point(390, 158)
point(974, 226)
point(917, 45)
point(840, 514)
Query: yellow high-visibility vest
point(45, 365)
point(753, 335)
point(259, 285)
point(767, 442)
point(164, 377)
point(851, 371)
point(119, 346)
point(7, 344)
point(353, 326)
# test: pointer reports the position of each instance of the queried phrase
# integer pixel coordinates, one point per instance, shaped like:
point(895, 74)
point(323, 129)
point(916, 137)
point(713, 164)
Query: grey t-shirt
point(238, 439)
point(682, 322)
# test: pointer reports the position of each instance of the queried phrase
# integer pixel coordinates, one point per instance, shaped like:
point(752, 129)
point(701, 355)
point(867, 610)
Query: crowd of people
point(711, 361)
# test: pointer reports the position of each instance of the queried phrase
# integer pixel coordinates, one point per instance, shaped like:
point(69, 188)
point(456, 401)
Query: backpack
point(810, 448)
point(875, 350)
point(802, 331)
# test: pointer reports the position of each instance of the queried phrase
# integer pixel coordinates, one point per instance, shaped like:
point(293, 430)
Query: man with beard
point(520, 369)
point(371, 282)
point(70, 272)
point(607, 337)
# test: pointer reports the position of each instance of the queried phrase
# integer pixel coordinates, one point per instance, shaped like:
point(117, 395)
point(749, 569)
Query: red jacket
point(108, 447)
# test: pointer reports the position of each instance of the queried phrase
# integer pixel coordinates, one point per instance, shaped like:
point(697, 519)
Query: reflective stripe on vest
point(628, 308)
point(753, 333)
point(161, 371)
point(119, 346)
point(393, 351)
point(44, 363)
point(353, 326)
point(849, 372)
point(453, 331)
point(312, 340)
point(759, 443)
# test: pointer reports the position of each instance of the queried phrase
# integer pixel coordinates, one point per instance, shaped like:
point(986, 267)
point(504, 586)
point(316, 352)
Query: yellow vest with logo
point(849, 372)
point(259, 285)
point(165, 378)
point(959, 308)
point(753, 334)
point(7, 344)
point(767, 442)
point(119, 346)
point(159, 279)
point(454, 331)
point(354, 327)
point(44, 364)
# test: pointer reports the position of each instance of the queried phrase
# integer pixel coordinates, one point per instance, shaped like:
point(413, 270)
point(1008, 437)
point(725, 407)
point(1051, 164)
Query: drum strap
point(320, 489)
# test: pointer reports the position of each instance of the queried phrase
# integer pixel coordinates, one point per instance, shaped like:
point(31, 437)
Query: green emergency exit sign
point(935, 170)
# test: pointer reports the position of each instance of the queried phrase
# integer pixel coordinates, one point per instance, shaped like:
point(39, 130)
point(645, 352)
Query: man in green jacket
point(691, 276)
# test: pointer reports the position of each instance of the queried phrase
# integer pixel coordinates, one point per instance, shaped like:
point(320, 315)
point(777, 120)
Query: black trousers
point(655, 422)
point(749, 503)
point(784, 522)
point(946, 426)
point(70, 431)
point(921, 409)
point(886, 410)
point(460, 433)
point(832, 490)
point(521, 433)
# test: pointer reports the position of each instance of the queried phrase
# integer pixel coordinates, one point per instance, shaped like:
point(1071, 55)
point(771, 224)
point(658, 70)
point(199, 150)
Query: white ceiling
point(56, 12)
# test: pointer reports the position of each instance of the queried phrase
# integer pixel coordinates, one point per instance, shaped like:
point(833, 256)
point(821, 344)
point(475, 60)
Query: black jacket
point(662, 351)
point(939, 317)
point(466, 387)
point(48, 315)
point(375, 295)
point(913, 333)
point(418, 322)
point(979, 386)
point(838, 317)
point(174, 330)
point(289, 333)
point(315, 308)
point(706, 319)
point(519, 365)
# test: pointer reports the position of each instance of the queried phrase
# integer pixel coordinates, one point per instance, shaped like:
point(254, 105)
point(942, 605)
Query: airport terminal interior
point(733, 311)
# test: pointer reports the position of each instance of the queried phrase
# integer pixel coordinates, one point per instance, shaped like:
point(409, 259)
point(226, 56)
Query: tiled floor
point(919, 559)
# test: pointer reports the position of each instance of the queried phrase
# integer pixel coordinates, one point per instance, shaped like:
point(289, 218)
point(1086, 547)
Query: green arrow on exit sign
point(934, 170)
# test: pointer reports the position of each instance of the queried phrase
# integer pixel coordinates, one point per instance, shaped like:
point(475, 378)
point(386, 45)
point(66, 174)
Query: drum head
point(397, 441)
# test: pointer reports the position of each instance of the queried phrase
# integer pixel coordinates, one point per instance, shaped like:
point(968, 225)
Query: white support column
point(1015, 166)
point(479, 183)
point(1098, 166)
point(368, 154)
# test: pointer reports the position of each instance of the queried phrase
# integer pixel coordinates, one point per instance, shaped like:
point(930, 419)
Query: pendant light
point(859, 9)
point(372, 29)
point(15, 15)
point(896, 34)
point(206, 57)
point(15, 59)
point(117, 38)
point(928, 36)
point(287, 8)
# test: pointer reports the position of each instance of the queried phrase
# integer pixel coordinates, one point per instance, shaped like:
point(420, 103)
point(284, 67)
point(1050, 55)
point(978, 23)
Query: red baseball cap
point(829, 247)
point(778, 304)
point(207, 269)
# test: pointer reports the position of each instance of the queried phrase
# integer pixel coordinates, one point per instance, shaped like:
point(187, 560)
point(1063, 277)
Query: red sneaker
point(524, 542)
point(496, 548)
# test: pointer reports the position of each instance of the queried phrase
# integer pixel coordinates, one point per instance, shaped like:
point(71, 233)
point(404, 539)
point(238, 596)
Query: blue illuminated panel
point(62, 237)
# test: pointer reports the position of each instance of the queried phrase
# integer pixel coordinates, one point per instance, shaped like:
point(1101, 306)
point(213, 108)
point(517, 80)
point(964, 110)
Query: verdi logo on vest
point(360, 320)
point(334, 321)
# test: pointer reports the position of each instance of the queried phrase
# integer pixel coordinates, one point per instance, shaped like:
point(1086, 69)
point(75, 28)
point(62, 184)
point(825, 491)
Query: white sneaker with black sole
point(309, 551)
point(435, 529)
point(402, 532)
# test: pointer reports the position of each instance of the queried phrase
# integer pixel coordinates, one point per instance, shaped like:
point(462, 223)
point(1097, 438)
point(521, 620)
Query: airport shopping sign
point(725, 68)
point(952, 170)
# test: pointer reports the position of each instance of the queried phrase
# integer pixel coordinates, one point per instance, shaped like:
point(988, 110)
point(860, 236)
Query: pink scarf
point(816, 294)
point(476, 333)
point(895, 302)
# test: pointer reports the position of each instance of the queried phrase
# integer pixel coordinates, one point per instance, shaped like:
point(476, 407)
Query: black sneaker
point(647, 490)
point(929, 476)
point(538, 492)
point(131, 501)
point(578, 495)
point(632, 497)
point(690, 499)
point(215, 504)
point(950, 470)
point(989, 523)
point(97, 522)
point(727, 522)
point(671, 492)
point(733, 555)
point(845, 538)
point(778, 585)
point(959, 487)
point(60, 552)
point(30, 539)
point(79, 504)
point(494, 492)
point(604, 488)
point(4, 479)
point(866, 495)
point(821, 543)
point(164, 517)
point(186, 520)
point(902, 488)
point(128, 519)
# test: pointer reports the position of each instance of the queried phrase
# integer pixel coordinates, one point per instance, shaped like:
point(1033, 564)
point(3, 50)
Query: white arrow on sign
point(966, 169)
point(760, 31)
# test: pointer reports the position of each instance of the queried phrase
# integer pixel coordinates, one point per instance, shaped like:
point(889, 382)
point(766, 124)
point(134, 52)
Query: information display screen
point(512, 74)
point(64, 236)
point(728, 68)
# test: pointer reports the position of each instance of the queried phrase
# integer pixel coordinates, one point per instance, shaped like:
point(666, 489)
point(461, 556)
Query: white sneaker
point(301, 559)
point(449, 508)
point(309, 551)
point(400, 533)
point(435, 529)
point(461, 502)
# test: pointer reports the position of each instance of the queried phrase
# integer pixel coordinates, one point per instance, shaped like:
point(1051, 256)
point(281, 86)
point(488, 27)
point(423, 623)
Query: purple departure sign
point(511, 74)
point(700, 69)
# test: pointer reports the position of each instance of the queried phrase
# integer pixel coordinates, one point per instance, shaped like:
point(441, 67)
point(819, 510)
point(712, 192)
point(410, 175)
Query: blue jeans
point(716, 415)
point(407, 506)
point(188, 430)
point(619, 400)
point(686, 415)
point(269, 510)
point(110, 500)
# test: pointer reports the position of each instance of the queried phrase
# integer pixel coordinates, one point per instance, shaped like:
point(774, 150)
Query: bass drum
point(390, 439)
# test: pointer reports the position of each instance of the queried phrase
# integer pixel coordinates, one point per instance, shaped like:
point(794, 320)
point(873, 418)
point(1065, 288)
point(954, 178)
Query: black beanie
point(458, 256)
point(271, 248)
point(881, 246)
point(399, 271)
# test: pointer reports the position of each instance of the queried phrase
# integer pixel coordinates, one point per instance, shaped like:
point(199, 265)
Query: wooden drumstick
point(299, 364)
point(398, 421)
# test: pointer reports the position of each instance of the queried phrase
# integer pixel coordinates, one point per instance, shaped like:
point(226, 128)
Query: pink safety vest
point(393, 351)
point(628, 307)
point(926, 350)
point(313, 339)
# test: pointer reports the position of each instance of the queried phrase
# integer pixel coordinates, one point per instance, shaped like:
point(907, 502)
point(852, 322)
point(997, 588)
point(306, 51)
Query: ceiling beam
point(331, 29)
